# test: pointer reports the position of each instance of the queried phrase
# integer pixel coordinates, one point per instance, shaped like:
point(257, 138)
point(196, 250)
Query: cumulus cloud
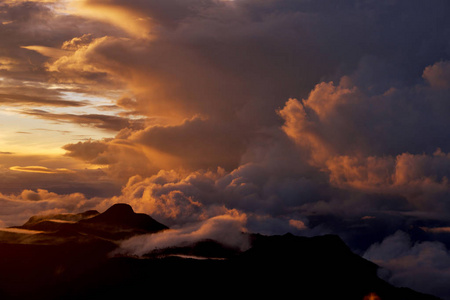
point(262, 192)
point(364, 140)
point(423, 266)
point(345, 119)
point(17, 209)
point(87, 151)
point(438, 75)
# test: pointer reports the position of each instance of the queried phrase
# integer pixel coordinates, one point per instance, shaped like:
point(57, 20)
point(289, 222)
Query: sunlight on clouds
point(20, 231)
point(133, 22)
point(436, 229)
point(6, 63)
point(21, 1)
point(47, 51)
point(298, 224)
point(226, 229)
point(39, 169)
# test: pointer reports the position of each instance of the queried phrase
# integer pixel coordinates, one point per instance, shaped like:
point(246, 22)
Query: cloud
point(77, 42)
point(225, 229)
point(55, 174)
point(267, 192)
point(368, 123)
point(21, 99)
point(298, 224)
point(193, 144)
point(438, 75)
point(344, 119)
point(423, 266)
point(101, 121)
point(17, 209)
point(40, 169)
point(133, 21)
point(42, 25)
point(198, 143)
point(47, 51)
point(87, 151)
point(437, 229)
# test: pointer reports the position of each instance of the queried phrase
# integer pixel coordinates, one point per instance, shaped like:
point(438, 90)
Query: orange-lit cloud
point(47, 51)
point(39, 169)
point(130, 20)
point(438, 75)
point(436, 229)
point(107, 122)
point(372, 296)
point(50, 99)
point(16, 209)
point(298, 224)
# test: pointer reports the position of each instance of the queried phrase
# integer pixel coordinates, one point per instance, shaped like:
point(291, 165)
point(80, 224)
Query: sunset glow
point(372, 296)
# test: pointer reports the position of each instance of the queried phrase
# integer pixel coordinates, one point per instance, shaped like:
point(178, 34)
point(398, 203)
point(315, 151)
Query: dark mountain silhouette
point(116, 223)
point(122, 217)
point(79, 265)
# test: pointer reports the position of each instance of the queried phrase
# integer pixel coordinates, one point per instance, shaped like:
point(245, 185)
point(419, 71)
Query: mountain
point(116, 223)
point(79, 265)
point(122, 217)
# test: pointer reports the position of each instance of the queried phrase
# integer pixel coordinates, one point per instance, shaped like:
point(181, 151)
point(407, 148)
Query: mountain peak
point(119, 210)
point(121, 216)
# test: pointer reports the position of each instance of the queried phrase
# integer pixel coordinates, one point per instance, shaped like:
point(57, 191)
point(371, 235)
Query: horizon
point(218, 116)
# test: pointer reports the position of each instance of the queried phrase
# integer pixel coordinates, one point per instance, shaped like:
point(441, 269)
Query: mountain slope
point(280, 267)
point(116, 223)
point(79, 265)
point(121, 217)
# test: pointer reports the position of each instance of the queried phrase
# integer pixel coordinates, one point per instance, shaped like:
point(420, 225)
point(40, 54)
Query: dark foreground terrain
point(70, 258)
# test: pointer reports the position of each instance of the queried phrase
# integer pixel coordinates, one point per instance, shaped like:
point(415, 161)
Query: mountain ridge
point(116, 223)
point(80, 264)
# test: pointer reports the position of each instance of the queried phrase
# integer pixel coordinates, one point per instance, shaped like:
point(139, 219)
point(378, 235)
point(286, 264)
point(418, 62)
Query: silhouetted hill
point(280, 267)
point(117, 222)
point(321, 267)
point(80, 266)
point(121, 216)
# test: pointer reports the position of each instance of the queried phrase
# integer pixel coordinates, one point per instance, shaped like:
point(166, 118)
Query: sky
point(271, 116)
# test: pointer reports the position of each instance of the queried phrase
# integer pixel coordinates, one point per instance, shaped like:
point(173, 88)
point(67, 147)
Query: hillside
point(79, 265)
